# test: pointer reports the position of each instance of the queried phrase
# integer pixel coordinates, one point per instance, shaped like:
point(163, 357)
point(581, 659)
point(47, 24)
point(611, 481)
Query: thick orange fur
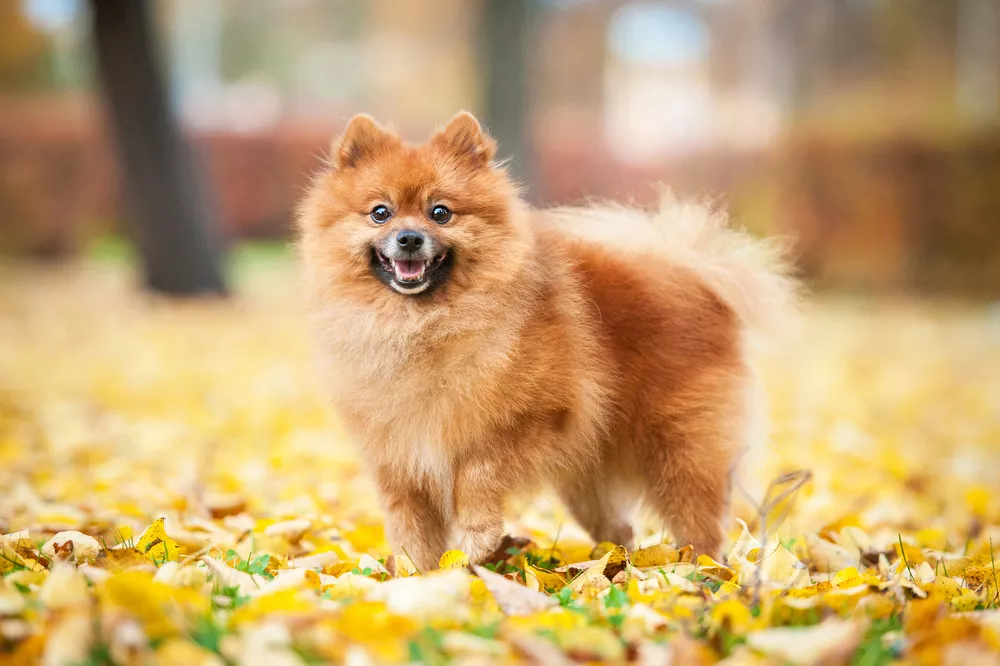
point(598, 350)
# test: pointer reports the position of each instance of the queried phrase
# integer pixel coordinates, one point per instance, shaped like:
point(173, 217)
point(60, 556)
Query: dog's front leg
point(479, 497)
point(415, 522)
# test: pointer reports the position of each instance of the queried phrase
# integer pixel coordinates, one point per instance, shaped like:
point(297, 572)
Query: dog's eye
point(440, 214)
point(381, 214)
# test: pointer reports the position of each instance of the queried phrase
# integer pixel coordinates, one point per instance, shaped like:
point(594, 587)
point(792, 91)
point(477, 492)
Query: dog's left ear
point(465, 138)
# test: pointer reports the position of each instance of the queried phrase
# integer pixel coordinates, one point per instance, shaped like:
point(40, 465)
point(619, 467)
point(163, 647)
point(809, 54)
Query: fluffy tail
point(753, 276)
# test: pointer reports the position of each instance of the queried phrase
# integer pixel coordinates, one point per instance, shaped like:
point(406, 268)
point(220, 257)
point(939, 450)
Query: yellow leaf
point(615, 561)
point(453, 559)
point(655, 556)
point(593, 644)
point(932, 538)
point(553, 619)
point(480, 593)
point(877, 606)
point(732, 615)
point(599, 575)
point(123, 558)
point(942, 589)
point(544, 581)
point(367, 538)
point(349, 586)
point(382, 631)
point(123, 534)
point(161, 609)
point(180, 652)
point(966, 600)
point(727, 589)
point(977, 498)
point(289, 601)
point(156, 545)
point(17, 550)
point(709, 567)
point(848, 577)
point(571, 552)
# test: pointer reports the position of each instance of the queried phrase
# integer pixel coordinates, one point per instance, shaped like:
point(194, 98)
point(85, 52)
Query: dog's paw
point(480, 545)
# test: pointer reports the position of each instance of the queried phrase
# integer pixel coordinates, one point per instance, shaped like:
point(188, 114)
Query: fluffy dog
point(475, 347)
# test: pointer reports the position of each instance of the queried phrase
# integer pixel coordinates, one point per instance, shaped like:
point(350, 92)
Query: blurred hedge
point(905, 211)
point(889, 212)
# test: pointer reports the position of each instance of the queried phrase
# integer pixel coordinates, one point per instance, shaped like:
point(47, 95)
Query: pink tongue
point(409, 269)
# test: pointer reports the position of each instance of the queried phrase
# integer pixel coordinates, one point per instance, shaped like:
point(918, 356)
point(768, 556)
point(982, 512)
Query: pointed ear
point(465, 138)
point(362, 139)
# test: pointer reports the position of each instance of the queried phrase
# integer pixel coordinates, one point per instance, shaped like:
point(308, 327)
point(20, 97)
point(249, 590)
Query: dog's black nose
point(409, 240)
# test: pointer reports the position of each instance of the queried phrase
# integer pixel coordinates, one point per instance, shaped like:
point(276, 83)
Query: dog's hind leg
point(689, 459)
point(599, 507)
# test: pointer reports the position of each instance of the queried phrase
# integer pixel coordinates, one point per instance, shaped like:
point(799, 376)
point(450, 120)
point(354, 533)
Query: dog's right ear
point(363, 138)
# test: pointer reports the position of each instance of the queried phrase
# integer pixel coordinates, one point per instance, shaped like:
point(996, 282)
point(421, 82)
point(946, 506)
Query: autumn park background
point(155, 362)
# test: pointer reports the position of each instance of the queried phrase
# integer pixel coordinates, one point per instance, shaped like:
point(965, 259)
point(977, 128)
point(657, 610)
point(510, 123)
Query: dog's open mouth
point(409, 272)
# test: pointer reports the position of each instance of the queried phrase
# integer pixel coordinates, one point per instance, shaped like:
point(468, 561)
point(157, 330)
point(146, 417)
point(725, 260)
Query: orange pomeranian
point(476, 348)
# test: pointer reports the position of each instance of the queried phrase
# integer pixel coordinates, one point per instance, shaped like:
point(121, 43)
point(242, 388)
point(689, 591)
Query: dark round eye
point(440, 214)
point(381, 214)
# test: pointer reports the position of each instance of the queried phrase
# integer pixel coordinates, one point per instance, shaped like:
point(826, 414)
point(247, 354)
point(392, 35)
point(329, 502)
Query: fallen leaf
point(17, 550)
point(598, 576)
point(435, 596)
point(72, 545)
point(180, 652)
point(655, 556)
point(453, 559)
point(291, 531)
point(543, 581)
point(65, 587)
point(512, 598)
point(226, 576)
point(69, 639)
point(832, 640)
point(156, 545)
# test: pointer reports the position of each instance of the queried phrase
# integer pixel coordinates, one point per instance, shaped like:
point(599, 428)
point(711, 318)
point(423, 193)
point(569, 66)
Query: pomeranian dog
point(476, 348)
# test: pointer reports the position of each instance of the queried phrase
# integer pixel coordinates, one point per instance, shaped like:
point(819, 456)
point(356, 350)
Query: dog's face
point(417, 220)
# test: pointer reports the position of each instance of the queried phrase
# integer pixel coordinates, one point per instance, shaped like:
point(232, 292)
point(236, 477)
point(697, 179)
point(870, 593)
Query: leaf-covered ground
point(173, 491)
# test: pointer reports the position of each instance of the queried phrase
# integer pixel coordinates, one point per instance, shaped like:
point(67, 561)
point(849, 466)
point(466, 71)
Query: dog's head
point(419, 220)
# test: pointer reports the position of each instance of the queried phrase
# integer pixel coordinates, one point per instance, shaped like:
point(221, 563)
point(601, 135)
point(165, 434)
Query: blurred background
point(867, 129)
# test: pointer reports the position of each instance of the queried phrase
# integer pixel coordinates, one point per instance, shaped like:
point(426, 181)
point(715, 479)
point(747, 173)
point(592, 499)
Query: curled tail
point(751, 275)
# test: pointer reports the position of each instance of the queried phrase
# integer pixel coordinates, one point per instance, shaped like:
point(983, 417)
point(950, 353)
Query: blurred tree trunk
point(173, 228)
point(505, 34)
